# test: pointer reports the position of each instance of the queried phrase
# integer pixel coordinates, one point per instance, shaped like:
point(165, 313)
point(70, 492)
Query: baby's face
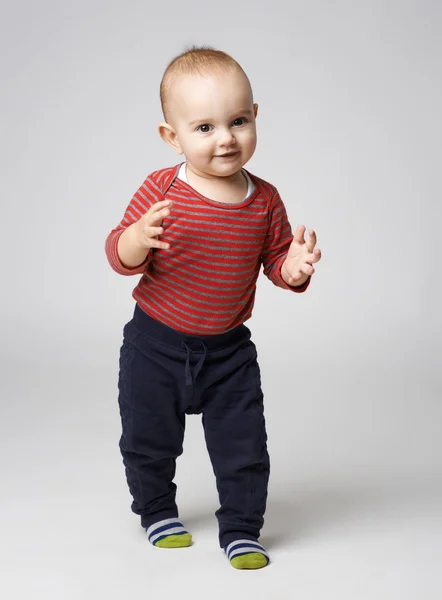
point(214, 116)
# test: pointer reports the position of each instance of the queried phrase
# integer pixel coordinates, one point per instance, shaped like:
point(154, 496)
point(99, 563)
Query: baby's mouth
point(227, 155)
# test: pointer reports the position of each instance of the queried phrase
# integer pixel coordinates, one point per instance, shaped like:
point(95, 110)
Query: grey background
point(349, 130)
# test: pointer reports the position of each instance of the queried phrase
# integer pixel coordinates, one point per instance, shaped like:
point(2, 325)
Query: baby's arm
point(276, 246)
point(128, 245)
point(137, 240)
point(130, 253)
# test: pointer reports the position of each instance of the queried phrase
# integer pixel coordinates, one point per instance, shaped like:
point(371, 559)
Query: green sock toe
point(256, 560)
point(175, 541)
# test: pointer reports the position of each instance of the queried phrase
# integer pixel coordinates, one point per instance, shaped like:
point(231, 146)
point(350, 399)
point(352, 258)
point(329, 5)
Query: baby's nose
point(226, 137)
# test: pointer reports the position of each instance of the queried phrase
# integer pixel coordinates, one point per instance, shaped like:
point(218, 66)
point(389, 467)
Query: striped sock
point(246, 554)
point(169, 533)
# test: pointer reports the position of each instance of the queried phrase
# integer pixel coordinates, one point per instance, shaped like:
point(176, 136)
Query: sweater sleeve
point(276, 245)
point(143, 199)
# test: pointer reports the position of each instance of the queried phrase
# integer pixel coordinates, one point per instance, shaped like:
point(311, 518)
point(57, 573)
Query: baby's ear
point(168, 134)
point(255, 110)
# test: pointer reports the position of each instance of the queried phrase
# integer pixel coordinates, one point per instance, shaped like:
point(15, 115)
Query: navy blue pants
point(166, 375)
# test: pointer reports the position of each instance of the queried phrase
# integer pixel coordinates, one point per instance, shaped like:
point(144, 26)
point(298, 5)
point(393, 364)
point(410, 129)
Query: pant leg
point(235, 433)
point(152, 424)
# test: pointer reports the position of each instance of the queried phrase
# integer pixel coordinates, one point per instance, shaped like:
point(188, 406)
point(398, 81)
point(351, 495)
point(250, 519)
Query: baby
point(198, 233)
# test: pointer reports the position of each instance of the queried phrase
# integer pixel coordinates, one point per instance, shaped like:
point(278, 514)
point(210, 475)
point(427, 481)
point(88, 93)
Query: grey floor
point(338, 525)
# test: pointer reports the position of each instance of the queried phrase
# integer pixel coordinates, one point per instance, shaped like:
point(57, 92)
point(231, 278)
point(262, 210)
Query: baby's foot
point(246, 554)
point(169, 533)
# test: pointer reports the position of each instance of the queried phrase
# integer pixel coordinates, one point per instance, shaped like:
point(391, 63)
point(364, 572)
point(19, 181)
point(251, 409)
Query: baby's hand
point(148, 228)
point(298, 266)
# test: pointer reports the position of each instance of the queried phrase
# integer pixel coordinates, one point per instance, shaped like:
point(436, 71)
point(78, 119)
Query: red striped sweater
point(205, 283)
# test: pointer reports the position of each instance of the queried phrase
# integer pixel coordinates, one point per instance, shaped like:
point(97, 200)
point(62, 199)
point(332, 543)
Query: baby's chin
point(223, 167)
point(225, 172)
point(218, 168)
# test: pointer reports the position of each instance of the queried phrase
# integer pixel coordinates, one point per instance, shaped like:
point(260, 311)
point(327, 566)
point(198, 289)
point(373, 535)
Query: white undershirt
point(250, 185)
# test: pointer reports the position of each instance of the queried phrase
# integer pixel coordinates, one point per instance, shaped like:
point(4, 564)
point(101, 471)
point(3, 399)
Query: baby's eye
point(205, 128)
point(239, 121)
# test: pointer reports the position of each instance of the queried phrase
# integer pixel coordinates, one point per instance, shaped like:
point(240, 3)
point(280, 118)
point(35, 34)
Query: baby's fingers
point(314, 257)
point(157, 217)
point(154, 231)
point(298, 236)
point(152, 240)
point(307, 269)
point(311, 242)
point(160, 206)
point(154, 243)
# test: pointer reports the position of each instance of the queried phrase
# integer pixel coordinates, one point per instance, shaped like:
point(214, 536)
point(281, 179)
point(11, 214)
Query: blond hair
point(201, 60)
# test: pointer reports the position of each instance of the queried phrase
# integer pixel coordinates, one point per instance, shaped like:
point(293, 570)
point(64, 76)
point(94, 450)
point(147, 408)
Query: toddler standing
point(198, 233)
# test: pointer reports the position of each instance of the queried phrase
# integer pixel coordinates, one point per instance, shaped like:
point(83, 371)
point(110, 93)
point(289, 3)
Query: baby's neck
point(230, 189)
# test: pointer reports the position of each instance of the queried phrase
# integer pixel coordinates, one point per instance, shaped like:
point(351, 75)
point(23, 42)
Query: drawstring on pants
point(192, 374)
